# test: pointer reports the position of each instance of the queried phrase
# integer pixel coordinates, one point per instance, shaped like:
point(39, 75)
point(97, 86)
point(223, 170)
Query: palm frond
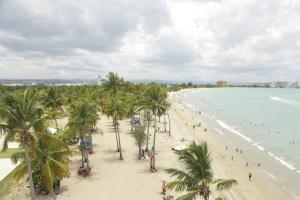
point(224, 184)
point(191, 195)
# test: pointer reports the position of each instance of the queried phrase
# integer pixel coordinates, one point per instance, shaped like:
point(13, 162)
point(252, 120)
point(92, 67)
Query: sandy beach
point(131, 178)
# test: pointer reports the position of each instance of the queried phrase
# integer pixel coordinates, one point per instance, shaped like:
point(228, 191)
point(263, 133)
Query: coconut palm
point(155, 99)
point(50, 162)
point(139, 135)
point(53, 101)
point(81, 119)
point(112, 84)
point(147, 114)
point(23, 116)
point(196, 177)
point(114, 107)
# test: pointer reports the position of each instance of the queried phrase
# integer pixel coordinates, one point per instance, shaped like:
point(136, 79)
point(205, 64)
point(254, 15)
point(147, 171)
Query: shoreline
point(234, 141)
point(131, 178)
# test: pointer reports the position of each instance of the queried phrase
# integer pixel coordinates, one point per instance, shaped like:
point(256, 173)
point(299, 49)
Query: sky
point(181, 40)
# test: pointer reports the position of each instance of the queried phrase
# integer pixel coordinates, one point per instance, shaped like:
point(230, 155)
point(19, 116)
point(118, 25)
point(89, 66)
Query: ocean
point(264, 122)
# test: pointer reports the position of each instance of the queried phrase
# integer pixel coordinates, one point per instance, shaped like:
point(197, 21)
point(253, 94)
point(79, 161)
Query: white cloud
point(247, 40)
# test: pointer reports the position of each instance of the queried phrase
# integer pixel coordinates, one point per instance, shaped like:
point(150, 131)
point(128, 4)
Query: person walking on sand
point(250, 176)
point(164, 188)
point(247, 164)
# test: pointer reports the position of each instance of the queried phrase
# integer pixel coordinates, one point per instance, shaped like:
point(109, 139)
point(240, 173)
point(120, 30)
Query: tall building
point(222, 83)
point(99, 80)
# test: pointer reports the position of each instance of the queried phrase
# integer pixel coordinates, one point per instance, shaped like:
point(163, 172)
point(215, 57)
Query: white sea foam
point(258, 146)
point(229, 128)
point(189, 105)
point(282, 161)
point(219, 131)
point(286, 101)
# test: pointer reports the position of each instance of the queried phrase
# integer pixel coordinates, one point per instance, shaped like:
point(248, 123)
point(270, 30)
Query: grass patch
point(9, 152)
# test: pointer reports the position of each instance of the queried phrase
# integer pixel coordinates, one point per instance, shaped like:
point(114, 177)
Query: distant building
point(283, 84)
point(222, 83)
point(99, 80)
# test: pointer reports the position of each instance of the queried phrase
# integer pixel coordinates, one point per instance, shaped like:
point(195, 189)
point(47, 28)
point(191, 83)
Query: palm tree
point(148, 121)
point(50, 162)
point(81, 119)
point(140, 137)
point(22, 116)
point(155, 99)
point(54, 102)
point(112, 84)
point(197, 176)
point(114, 107)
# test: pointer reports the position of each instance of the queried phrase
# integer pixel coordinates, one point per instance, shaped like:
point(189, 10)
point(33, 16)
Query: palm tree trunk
point(140, 152)
point(29, 171)
point(148, 126)
point(169, 123)
point(154, 140)
point(121, 156)
point(117, 140)
point(87, 159)
point(82, 152)
point(154, 137)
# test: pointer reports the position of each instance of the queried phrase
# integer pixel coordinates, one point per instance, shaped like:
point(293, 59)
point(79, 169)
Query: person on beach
point(205, 129)
point(258, 164)
point(247, 164)
point(250, 176)
point(226, 148)
point(164, 188)
point(143, 154)
point(152, 167)
point(232, 158)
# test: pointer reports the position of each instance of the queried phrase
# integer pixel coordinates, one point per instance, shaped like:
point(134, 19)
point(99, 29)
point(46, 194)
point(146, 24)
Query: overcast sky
point(197, 40)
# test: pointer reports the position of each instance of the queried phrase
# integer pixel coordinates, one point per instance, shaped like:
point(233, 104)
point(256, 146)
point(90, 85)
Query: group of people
point(246, 162)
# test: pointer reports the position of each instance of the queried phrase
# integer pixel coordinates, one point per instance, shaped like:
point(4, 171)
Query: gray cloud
point(248, 40)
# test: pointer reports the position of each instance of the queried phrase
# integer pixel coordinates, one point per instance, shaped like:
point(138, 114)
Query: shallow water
point(267, 119)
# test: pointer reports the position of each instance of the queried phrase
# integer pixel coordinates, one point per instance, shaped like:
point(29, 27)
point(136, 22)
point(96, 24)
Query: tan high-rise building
point(222, 83)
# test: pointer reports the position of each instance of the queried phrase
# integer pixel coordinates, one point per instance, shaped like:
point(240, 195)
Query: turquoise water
point(268, 119)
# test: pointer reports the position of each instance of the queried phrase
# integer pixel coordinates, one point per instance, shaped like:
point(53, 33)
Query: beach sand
point(131, 178)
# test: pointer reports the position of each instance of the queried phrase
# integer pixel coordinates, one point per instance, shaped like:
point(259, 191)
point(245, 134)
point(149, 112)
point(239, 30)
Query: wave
point(189, 105)
point(282, 161)
point(229, 128)
point(286, 101)
point(258, 146)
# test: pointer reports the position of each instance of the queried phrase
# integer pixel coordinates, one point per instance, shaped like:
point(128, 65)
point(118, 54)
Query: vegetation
point(23, 117)
point(27, 112)
point(196, 177)
point(140, 138)
point(82, 116)
point(50, 163)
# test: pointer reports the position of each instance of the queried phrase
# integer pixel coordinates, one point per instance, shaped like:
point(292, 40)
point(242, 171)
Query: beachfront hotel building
point(222, 83)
